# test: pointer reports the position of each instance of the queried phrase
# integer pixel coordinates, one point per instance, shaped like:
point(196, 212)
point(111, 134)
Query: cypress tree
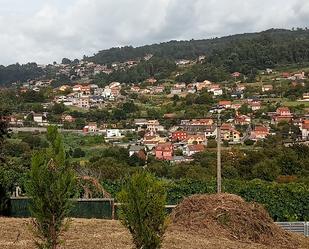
point(50, 186)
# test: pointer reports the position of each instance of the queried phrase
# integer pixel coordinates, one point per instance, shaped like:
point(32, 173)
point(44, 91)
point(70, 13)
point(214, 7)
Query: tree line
point(19, 73)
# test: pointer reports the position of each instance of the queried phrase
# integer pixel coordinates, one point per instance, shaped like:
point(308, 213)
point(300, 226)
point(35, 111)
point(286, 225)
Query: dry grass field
point(103, 234)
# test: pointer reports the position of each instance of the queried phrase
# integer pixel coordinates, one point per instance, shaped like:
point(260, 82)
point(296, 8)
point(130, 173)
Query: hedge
point(284, 202)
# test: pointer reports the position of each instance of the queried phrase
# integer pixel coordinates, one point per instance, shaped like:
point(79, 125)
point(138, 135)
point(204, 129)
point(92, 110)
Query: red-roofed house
point(179, 136)
point(91, 127)
point(236, 74)
point(135, 89)
point(229, 133)
point(86, 90)
point(204, 121)
point(150, 141)
point(67, 118)
point(242, 120)
point(259, 132)
point(151, 80)
point(164, 151)
point(196, 139)
point(282, 114)
point(225, 103)
point(194, 148)
point(283, 111)
point(235, 106)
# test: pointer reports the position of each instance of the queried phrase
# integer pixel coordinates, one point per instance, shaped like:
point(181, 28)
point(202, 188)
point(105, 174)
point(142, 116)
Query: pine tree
point(51, 185)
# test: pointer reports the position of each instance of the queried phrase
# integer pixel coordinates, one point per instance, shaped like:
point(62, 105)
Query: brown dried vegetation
point(199, 222)
point(228, 216)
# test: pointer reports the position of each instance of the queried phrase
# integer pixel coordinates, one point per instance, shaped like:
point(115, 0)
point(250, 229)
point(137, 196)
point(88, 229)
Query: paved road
point(246, 134)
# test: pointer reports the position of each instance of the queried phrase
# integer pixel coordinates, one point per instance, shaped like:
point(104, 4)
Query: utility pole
point(219, 180)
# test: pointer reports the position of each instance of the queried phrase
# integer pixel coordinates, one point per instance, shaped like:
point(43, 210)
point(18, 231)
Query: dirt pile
point(228, 216)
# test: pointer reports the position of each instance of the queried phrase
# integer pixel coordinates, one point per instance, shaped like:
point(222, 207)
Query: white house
point(38, 118)
point(210, 131)
point(215, 89)
point(77, 88)
point(61, 98)
point(140, 122)
point(267, 88)
point(107, 92)
point(176, 90)
point(306, 96)
point(305, 130)
point(113, 133)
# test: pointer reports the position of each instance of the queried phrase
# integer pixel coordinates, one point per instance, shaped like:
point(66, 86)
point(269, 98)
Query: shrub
point(212, 143)
point(249, 142)
point(4, 194)
point(78, 152)
point(267, 170)
point(142, 211)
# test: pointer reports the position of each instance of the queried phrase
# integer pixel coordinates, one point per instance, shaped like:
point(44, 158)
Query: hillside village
point(249, 112)
point(154, 124)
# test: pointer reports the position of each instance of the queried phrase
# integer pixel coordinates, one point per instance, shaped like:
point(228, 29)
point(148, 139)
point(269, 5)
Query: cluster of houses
point(84, 70)
point(192, 136)
point(88, 95)
point(180, 89)
point(34, 85)
point(188, 137)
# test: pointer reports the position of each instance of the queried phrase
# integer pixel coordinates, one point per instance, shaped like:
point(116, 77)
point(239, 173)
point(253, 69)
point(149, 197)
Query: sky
point(44, 31)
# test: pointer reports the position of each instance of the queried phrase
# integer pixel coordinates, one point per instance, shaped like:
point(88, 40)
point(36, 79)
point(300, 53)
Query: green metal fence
point(93, 208)
point(18, 207)
point(83, 208)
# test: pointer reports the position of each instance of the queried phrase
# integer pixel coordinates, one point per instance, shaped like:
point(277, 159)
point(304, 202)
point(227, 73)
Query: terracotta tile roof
point(196, 147)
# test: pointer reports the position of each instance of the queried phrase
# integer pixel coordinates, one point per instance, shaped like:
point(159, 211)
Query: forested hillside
point(17, 72)
point(245, 53)
point(266, 40)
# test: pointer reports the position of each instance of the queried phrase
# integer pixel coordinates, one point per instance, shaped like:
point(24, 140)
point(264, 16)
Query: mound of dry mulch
point(229, 216)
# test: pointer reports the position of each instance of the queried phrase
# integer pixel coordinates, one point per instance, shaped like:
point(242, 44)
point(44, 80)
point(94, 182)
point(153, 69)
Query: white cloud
point(44, 31)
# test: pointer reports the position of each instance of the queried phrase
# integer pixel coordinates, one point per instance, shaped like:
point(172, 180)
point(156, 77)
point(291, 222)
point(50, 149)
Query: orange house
point(164, 151)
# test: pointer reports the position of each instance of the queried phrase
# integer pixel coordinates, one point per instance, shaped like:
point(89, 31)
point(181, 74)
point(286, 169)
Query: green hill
point(269, 39)
point(245, 53)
